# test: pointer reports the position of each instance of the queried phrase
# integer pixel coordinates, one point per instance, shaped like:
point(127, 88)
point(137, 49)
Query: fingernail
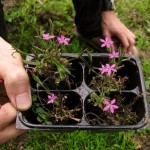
point(23, 101)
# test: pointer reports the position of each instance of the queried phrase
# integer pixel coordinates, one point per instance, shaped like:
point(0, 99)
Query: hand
point(112, 26)
point(15, 82)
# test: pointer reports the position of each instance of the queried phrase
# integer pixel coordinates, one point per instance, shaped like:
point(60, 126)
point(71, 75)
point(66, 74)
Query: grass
point(26, 19)
point(84, 140)
point(35, 140)
point(135, 14)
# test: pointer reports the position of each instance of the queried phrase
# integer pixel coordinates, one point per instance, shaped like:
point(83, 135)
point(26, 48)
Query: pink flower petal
point(115, 106)
point(110, 56)
point(65, 42)
point(103, 45)
point(108, 45)
point(50, 101)
point(52, 95)
point(113, 66)
point(51, 36)
point(114, 70)
point(113, 101)
point(108, 65)
point(45, 34)
point(110, 106)
point(102, 40)
point(109, 72)
point(106, 108)
point(63, 39)
point(111, 109)
point(106, 39)
point(67, 39)
point(60, 41)
point(49, 96)
point(106, 101)
point(62, 36)
point(114, 54)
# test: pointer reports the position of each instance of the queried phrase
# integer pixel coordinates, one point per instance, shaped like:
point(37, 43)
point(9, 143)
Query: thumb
point(17, 88)
point(15, 78)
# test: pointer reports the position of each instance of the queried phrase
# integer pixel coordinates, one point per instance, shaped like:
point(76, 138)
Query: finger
point(7, 115)
point(134, 51)
point(131, 39)
point(9, 132)
point(131, 49)
point(124, 40)
point(131, 34)
point(15, 78)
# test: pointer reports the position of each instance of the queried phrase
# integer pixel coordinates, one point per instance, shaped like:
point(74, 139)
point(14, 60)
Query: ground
point(141, 139)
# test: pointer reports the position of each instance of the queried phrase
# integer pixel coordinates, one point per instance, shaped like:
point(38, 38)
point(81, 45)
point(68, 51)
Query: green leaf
point(40, 110)
point(147, 84)
point(48, 122)
point(37, 79)
point(89, 56)
point(34, 98)
point(39, 119)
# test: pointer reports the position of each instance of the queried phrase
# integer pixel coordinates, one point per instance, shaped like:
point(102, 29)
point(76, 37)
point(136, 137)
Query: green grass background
point(26, 19)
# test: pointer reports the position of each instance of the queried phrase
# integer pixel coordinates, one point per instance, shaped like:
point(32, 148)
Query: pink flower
point(51, 98)
point(47, 36)
point(103, 69)
point(108, 69)
point(63, 39)
point(114, 54)
point(107, 42)
point(110, 105)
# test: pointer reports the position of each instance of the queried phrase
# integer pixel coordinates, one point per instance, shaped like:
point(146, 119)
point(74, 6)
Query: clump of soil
point(8, 4)
point(142, 139)
point(17, 143)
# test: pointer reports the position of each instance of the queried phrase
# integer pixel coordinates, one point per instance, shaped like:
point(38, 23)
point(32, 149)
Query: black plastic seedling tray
point(79, 93)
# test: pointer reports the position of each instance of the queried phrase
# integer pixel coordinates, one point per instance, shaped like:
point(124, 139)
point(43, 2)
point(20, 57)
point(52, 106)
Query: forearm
point(2, 24)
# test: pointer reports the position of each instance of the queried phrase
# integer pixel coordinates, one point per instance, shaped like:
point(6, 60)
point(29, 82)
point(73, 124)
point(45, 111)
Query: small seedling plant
point(49, 71)
point(110, 106)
